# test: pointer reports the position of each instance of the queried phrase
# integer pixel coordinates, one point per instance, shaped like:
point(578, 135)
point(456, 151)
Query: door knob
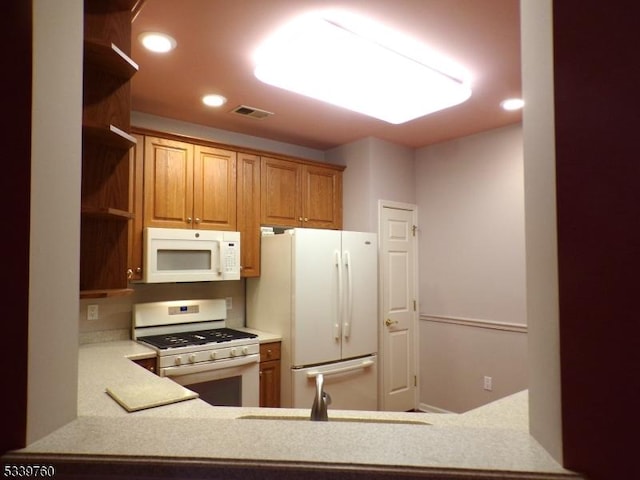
point(388, 322)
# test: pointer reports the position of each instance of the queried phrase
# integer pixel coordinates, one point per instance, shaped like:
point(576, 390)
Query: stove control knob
point(192, 358)
point(178, 360)
point(213, 355)
point(245, 350)
point(233, 352)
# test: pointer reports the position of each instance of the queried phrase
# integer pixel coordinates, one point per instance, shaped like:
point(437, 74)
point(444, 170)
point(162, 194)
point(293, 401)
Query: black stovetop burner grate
point(200, 337)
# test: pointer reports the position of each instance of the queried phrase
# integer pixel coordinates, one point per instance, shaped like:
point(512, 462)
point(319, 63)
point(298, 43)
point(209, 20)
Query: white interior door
point(398, 306)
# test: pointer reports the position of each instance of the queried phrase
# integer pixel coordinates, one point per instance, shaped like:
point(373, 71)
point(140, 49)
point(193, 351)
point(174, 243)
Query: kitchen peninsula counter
point(192, 439)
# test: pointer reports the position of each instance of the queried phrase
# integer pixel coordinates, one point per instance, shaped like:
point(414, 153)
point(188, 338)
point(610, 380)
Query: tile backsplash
point(114, 314)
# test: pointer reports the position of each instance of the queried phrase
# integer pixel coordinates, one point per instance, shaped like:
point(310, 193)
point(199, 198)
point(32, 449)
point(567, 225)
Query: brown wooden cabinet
point(248, 213)
point(321, 197)
point(105, 213)
point(188, 186)
point(270, 374)
point(296, 194)
point(150, 364)
point(179, 182)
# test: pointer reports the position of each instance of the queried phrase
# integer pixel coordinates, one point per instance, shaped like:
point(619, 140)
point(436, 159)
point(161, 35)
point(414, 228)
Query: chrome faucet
point(320, 402)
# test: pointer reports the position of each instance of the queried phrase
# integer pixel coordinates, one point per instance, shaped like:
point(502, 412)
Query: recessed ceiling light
point(511, 104)
point(214, 100)
point(157, 42)
point(352, 62)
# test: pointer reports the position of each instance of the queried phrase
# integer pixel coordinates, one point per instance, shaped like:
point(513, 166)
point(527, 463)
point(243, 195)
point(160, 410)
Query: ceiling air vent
point(252, 112)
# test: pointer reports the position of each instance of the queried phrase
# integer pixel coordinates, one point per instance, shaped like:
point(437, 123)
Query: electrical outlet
point(92, 312)
point(488, 383)
point(229, 302)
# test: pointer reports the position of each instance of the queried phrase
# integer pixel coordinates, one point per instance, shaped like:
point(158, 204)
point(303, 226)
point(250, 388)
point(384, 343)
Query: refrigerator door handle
point(336, 325)
point(335, 371)
point(346, 322)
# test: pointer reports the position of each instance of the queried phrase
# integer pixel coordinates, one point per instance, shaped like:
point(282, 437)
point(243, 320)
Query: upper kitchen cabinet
point(248, 208)
point(183, 182)
point(322, 197)
point(301, 194)
point(105, 213)
point(188, 186)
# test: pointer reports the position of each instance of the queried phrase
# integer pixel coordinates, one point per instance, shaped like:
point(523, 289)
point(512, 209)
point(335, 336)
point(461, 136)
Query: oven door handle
point(210, 366)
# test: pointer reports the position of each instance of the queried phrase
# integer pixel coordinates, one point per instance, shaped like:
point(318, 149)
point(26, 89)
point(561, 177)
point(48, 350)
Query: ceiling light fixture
point(349, 61)
point(214, 100)
point(157, 42)
point(511, 104)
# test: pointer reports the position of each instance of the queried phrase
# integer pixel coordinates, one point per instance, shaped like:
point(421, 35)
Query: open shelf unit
point(106, 141)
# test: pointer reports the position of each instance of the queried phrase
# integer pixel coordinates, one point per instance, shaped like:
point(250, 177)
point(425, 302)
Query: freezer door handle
point(346, 322)
point(335, 371)
point(336, 325)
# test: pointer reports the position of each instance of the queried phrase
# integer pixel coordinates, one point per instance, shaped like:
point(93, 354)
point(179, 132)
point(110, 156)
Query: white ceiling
point(215, 40)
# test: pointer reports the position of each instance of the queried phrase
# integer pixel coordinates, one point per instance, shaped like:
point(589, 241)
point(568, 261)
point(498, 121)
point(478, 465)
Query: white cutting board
point(161, 391)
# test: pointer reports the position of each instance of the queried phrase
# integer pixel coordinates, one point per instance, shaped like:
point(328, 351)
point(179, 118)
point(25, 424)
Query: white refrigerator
point(318, 290)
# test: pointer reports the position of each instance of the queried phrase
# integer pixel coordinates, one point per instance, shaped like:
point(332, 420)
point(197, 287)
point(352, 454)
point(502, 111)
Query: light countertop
point(493, 439)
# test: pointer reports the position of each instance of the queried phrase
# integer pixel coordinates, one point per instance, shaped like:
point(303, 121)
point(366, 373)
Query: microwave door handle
point(218, 256)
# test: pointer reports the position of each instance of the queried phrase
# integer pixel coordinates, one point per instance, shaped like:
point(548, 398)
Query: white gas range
point(196, 349)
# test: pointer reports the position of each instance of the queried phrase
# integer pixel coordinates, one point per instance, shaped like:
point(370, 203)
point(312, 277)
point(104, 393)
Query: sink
point(334, 419)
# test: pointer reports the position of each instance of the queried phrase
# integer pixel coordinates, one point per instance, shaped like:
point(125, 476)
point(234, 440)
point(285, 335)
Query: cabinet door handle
point(197, 220)
point(129, 273)
point(189, 219)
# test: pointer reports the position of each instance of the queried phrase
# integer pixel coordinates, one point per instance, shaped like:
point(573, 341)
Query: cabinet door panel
point(322, 197)
point(270, 384)
point(168, 183)
point(280, 181)
point(248, 207)
point(214, 191)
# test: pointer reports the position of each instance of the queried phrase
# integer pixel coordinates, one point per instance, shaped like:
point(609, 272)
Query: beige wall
point(545, 410)
point(55, 215)
point(472, 269)
point(454, 358)
point(376, 170)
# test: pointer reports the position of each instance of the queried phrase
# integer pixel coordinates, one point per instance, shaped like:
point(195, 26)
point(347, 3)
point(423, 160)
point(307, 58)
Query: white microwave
point(181, 255)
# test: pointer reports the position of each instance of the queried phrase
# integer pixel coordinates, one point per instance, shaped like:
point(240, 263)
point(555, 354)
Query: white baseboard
point(423, 407)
